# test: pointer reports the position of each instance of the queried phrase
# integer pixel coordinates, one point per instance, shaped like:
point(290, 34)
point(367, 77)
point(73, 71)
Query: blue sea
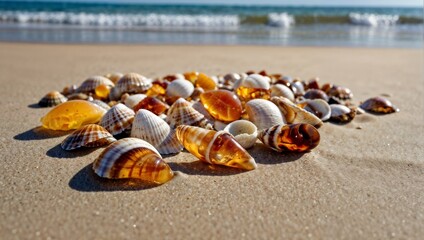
point(52, 22)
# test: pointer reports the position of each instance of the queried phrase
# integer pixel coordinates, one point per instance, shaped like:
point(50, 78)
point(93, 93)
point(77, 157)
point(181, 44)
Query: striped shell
point(51, 99)
point(379, 105)
point(101, 104)
point(132, 100)
point(294, 114)
point(132, 83)
point(91, 135)
point(90, 84)
point(114, 77)
point(182, 113)
point(244, 132)
point(341, 113)
point(180, 88)
point(318, 107)
point(215, 147)
point(117, 119)
point(280, 90)
point(298, 137)
point(132, 158)
point(153, 129)
point(263, 113)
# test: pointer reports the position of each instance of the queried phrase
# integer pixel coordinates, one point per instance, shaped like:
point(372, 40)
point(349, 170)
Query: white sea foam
point(374, 20)
point(120, 20)
point(280, 20)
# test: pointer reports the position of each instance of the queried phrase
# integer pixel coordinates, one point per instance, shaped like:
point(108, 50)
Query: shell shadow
point(58, 152)
point(39, 133)
point(35, 105)
point(201, 168)
point(264, 155)
point(87, 181)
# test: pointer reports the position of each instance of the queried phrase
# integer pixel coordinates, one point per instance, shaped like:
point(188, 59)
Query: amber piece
point(157, 89)
point(72, 115)
point(170, 78)
point(298, 137)
point(191, 76)
point(132, 158)
point(102, 91)
point(215, 147)
point(223, 105)
point(205, 82)
point(152, 104)
point(245, 94)
point(313, 84)
point(379, 105)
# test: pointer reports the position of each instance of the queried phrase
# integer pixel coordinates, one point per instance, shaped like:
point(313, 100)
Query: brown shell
point(91, 135)
point(51, 99)
point(182, 113)
point(90, 84)
point(379, 105)
point(117, 119)
point(132, 83)
point(316, 94)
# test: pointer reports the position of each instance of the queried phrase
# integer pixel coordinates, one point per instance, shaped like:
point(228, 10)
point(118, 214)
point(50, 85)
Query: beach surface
point(364, 181)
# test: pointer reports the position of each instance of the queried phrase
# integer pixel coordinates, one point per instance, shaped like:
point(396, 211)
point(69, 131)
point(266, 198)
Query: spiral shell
point(341, 113)
point(117, 119)
point(91, 135)
point(295, 114)
point(298, 137)
point(180, 88)
point(318, 107)
point(52, 99)
point(263, 113)
point(215, 147)
point(182, 113)
point(153, 129)
point(132, 158)
point(280, 90)
point(244, 132)
point(90, 84)
point(379, 105)
point(132, 83)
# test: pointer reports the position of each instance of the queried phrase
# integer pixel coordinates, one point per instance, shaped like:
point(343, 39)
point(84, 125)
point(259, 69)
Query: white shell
point(117, 119)
point(180, 88)
point(298, 88)
point(263, 113)
point(232, 77)
point(153, 129)
point(318, 107)
point(341, 113)
point(294, 114)
point(280, 90)
point(182, 113)
point(245, 132)
point(133, 100)
point(219, 126)
point(253, 81)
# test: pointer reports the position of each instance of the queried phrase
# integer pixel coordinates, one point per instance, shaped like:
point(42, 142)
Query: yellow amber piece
point(102, 91)
point(191, 76)
point(72, 115)
point(223, 105)
point(245, 94)
point(205, 82)
point(156, 90)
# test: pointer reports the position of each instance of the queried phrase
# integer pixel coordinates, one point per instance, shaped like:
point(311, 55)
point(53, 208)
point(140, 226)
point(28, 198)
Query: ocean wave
point(280, 20)
point(374, 20)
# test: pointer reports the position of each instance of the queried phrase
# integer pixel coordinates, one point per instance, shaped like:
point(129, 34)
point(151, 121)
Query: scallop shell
point(114, 77)
point(180, 88)
point(263, 113)
point(153, 129)
point(132, 100)
point(101, 104)
point(182, 113)
point(51, 99)
point(132, 158)
point(244, 132)
point(379, 105)
point(91, 135)
point(318, 107)
point(90, 84)
point(132, 83)
point(215, 147)
point(117, 119)
point(280, 90)
point(341, 113)
point(295, 114)
point(298, 137)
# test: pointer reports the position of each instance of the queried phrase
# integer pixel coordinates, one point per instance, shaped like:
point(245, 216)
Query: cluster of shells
point(215, 118)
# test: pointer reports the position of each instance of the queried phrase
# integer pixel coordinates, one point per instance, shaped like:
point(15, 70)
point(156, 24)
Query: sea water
point(210, 24)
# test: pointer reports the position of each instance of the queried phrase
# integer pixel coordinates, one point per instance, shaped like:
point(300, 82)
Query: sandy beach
point(364, 181)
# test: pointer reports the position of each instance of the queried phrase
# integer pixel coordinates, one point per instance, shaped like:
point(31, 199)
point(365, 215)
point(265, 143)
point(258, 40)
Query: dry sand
point(363, 183)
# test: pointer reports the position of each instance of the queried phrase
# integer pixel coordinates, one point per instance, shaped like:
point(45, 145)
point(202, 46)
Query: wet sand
point(364, 180)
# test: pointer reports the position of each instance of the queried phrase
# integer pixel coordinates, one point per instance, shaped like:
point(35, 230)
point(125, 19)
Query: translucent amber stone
point(152, 104)
point(191, 76)
point(102, 91)
point(205, 82)
point(157, 89)
point(223, 105)
point(72, 115)
point(245, 94)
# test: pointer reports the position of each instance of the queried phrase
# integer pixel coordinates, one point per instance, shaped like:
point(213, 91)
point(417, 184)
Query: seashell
point(51, 99)
point(316, 94)
point(196, 93)
point(132, 83)
point(69, 90)
point(215, 147)
point(182, 113)
point(252, 87)
point(232, 77)
point(318, 107)
point(313, 83)
point(180, 88)
point(152, 104)
point(132, 158)
point(132, 100)
point(91, 135)
point(219, 125)
point(379, 105)
point(222, 105)
point(263, 113)
point(280, 90)
point(101, 104)
point(294, 114)
point(340, 92)
point(297, 88)
point(154, 130)
point(114, 77)
point(90, 84)
point(255, 81)
point(298, 137)
point(117, 119)
point(77, 96)
point(341, 113)
point(244, 132)
point(72, 115)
